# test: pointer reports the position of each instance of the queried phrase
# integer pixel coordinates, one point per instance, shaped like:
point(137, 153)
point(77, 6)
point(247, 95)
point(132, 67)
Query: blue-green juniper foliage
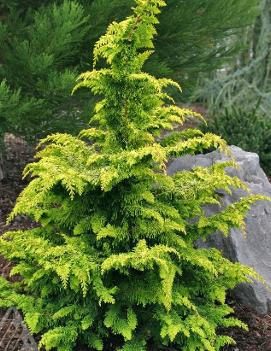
point(114, 257)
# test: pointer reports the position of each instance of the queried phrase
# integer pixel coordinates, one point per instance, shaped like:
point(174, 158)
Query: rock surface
point(255, 249)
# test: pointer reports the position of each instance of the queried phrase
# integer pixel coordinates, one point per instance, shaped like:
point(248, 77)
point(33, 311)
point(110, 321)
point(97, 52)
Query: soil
point(258, 338)
point(18, 154)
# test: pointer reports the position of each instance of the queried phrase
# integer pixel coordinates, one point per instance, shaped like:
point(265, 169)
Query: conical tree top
point(133, 110)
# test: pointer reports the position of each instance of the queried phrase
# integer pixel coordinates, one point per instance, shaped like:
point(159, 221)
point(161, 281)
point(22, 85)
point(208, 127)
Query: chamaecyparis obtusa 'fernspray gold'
point(113, 259)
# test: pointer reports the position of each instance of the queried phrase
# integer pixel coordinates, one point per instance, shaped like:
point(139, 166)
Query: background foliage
point(238, 97)
point(45, 44)
point(246, 84)
point(248, 130)
point(38, 50)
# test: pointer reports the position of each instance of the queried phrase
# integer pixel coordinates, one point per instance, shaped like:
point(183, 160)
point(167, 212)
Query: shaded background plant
point(246, 82)
point(248, 130)
point(38, 51)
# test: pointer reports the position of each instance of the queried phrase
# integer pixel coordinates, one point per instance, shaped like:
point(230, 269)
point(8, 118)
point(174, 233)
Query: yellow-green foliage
point(114, 255)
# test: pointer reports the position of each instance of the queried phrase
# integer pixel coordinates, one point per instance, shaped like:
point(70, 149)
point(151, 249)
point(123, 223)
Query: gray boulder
point(255, 249)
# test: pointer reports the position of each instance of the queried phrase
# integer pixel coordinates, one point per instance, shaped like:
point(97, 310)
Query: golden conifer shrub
point(113, 259)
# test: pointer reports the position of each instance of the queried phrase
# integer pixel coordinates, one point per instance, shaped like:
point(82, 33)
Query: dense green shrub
point(13, 108)
point(38, 52)
point(248, 130)
point(113, 260)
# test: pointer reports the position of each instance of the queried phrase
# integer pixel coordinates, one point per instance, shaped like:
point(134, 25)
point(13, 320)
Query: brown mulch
point(258, 338)
point(18, 153)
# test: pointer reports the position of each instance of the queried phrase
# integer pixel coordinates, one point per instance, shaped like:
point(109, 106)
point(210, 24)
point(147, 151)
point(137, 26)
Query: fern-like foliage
point(114, 257)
